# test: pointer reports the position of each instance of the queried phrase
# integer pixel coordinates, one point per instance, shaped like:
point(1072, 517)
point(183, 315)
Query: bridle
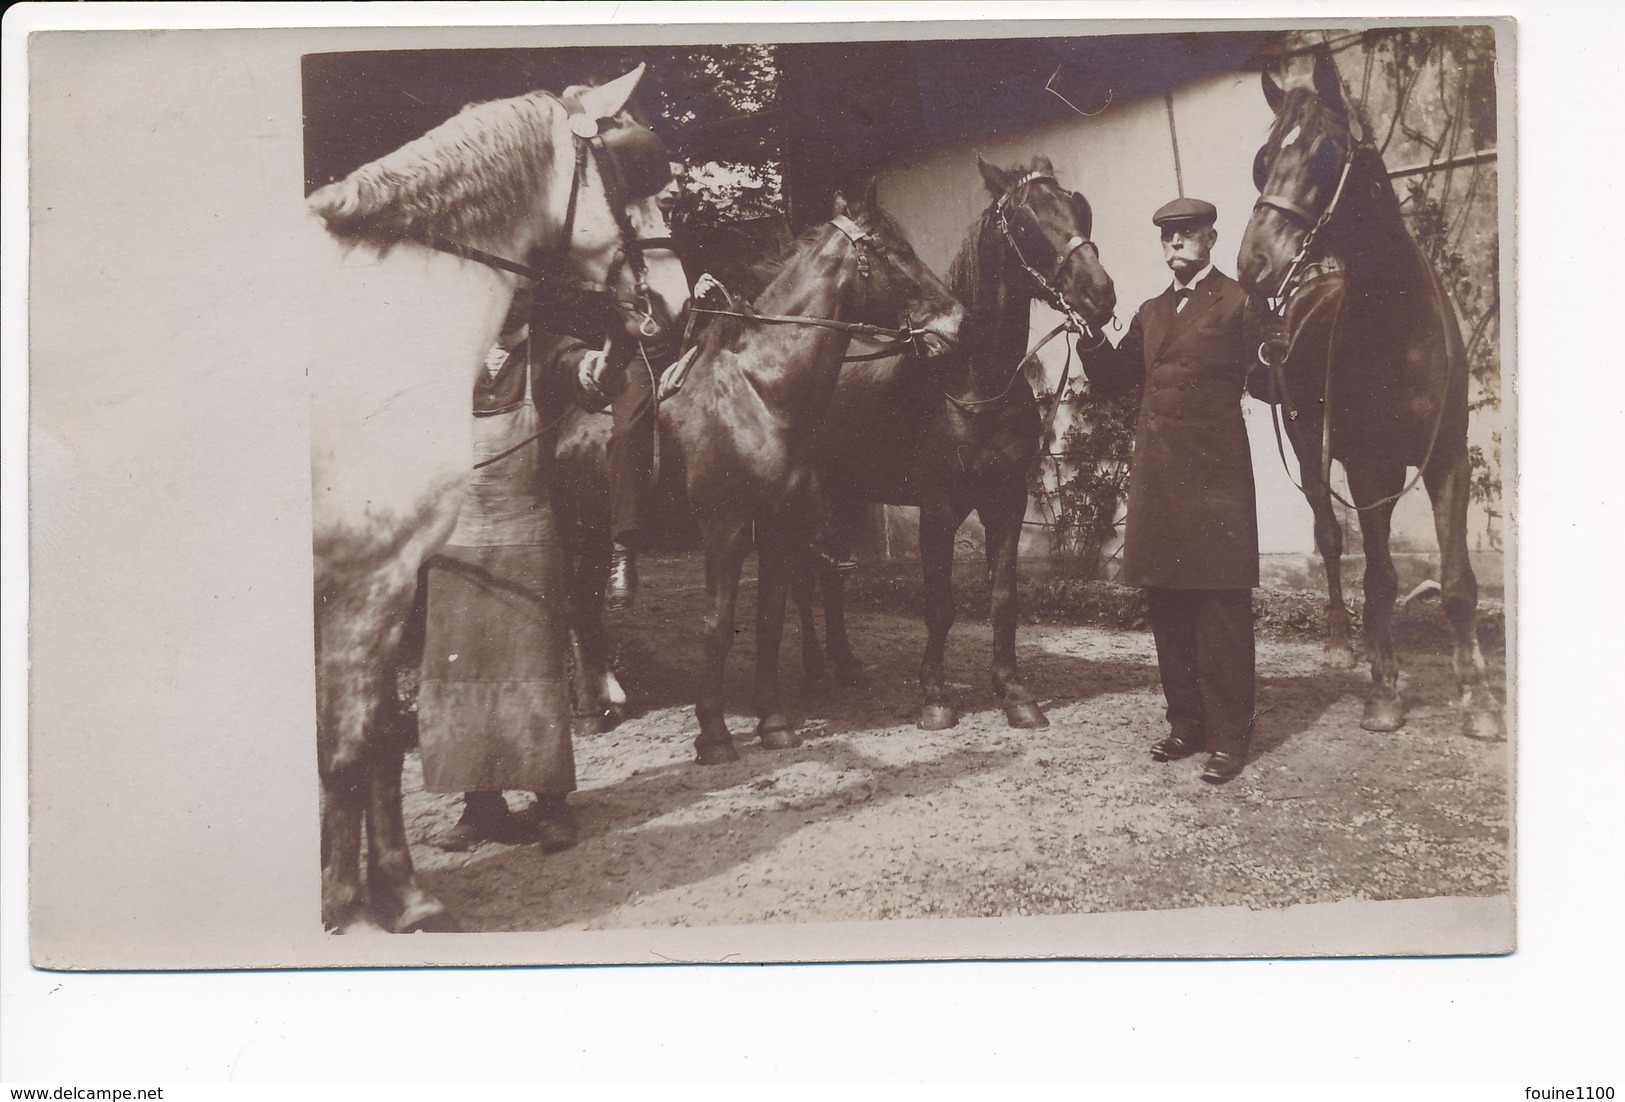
point(1295, 213)
point(863, 242)
point(1071, 322)
point(550, 277)
point(1046, 284)
point(1290, 283)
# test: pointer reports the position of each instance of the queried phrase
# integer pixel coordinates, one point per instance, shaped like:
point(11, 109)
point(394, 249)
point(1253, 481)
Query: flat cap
point(1185, 210)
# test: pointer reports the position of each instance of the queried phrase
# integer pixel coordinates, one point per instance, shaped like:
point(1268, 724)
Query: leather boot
point(554, 823)
point(623, 580)
point(485, 819)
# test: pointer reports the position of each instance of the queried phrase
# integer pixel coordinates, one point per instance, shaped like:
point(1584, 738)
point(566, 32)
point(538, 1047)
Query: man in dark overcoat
point(1192, 527)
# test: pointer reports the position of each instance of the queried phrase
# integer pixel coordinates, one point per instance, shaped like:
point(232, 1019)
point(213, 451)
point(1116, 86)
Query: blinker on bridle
point(1046, 284)
point(589, 141)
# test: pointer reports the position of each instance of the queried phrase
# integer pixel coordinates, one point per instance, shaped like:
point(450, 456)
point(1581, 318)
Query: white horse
point(416, 259)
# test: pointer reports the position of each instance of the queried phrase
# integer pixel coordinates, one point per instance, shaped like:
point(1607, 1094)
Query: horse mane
point(464, 180)
point(973, 272)
point(761, 273)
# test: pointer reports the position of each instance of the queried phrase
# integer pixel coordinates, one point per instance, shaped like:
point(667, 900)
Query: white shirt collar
point(1195, 279)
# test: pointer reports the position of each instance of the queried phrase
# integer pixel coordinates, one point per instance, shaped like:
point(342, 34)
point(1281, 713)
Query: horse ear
point(1328, 82)
point(1272, 92)
point(997, 182)
point(1041, 164)
point(606, 100)
point(839, 207)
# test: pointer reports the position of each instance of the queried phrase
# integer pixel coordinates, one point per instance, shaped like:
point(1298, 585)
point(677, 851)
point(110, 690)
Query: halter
point(1046, 284)
point(550, 277)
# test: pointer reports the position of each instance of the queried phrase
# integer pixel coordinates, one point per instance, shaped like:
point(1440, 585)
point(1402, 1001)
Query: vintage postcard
point(522, 495)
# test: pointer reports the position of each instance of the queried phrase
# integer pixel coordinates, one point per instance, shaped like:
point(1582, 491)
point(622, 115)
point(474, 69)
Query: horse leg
point(1002, 514)
point(726, 544)
point(1339, 649)
point(804, 591)
point(359, 743)
point(938, 524)
point(598, 696)
point(774, 557)
point(392, 888)
point(1447, 480)
point(391, 883)
point(1384, 710)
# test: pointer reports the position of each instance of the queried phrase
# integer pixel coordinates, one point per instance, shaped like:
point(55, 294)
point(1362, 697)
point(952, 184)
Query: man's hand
point(590, 372)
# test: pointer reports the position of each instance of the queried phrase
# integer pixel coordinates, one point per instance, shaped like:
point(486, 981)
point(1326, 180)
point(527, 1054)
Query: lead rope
point(971, 405)
point(1278, 382)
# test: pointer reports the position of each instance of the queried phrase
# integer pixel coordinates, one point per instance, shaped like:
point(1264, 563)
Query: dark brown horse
point(412, 263)
point(1373, 372)
point(966, 435)
point(737, 439)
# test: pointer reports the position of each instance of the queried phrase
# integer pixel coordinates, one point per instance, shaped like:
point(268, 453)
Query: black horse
point(1373, 372)
point(735, 444)
point(964, 436)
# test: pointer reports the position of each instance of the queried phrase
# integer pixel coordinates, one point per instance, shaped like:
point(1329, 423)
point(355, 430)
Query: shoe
point(485, 819)
point(1175, 747)
point(555, 824)
point(1223, 766)
point(623, 580)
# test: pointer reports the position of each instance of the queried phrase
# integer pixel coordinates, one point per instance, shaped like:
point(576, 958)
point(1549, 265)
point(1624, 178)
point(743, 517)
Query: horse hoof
point(425, 915)
point(1383, 715)
point(777, 734)
point(1025, 715)
point(716, 753)
point(358, 923)
point(938, 717)
point(1485, 725)
point(853, 677)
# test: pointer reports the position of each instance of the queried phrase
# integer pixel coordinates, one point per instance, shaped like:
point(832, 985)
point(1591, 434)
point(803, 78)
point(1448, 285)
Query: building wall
point(1122, 160)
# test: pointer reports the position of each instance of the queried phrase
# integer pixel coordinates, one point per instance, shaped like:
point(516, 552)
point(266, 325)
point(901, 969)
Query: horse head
point(893, 287)
point(1043, 232)
point(610, 231)
point(566, 184)
point(1301, 172)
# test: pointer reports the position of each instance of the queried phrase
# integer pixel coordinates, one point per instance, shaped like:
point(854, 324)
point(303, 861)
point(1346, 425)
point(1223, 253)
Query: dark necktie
point(1182, 295)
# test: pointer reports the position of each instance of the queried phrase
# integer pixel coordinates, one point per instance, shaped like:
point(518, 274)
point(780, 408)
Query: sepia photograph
point(1121, 419)
point(784, 542)
point(1120, 415)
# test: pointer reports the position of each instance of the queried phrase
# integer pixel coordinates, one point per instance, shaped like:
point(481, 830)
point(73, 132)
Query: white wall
point(1123, 160)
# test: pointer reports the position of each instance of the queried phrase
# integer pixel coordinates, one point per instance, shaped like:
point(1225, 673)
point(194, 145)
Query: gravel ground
point(872, 818)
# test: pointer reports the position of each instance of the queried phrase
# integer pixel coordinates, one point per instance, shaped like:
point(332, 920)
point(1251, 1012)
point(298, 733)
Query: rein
point(905, 334)
point(1051, 293)
point(1277, 368)
point(1071, 322)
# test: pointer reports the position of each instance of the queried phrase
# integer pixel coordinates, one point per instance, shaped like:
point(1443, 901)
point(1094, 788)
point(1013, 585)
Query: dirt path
point(872, 818)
